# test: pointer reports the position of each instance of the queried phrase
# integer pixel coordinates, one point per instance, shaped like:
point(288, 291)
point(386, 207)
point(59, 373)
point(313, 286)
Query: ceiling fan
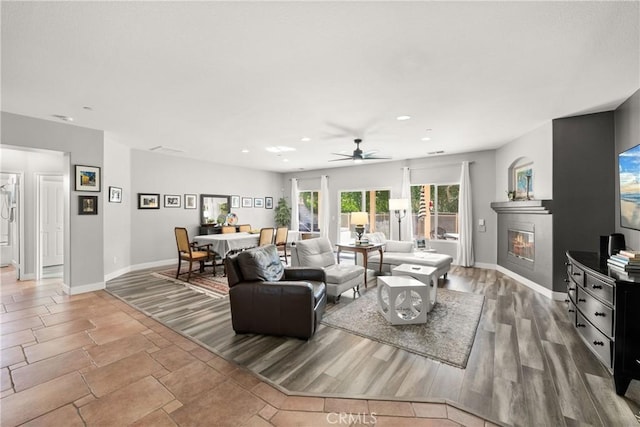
point(358, 155)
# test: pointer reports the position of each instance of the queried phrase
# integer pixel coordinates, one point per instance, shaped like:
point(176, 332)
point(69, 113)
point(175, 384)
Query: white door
point(51, 220)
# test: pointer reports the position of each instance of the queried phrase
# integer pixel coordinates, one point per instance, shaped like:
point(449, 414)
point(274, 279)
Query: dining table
point(222, 244)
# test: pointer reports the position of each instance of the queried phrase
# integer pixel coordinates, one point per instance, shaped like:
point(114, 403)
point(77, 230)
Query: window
point(435, 211)
point(308, 202)
point(375, 202)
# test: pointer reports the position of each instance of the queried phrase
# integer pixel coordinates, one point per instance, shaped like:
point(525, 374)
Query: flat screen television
point(629, 169)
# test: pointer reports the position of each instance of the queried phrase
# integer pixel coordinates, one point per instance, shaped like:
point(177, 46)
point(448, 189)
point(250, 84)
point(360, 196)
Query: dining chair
point(266, 236)
point(244, 227)
point(188, 251)
point(281, 242)
point(226, 229)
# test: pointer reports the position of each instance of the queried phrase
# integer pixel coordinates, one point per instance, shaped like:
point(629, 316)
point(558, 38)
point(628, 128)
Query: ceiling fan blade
point(376, 158)
point(370, 153)
point(341, 154)
point(339, 160)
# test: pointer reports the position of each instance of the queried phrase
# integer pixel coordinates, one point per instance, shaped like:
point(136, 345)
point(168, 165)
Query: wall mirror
point(214, 208)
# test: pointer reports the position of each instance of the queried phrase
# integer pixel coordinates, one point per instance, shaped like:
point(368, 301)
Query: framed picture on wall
point(258, 203)
point(115, 194)
point(190, 201)
point(268, 202)
point(172, 201)
point(148, 201)
point(247, 202)
point(235, 201)
point(87, 205)
point(87, 178)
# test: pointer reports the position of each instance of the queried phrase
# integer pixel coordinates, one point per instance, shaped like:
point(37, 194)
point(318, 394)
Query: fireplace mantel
point(541, 207)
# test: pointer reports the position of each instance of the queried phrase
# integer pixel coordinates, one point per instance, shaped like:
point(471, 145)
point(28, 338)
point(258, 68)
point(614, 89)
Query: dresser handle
point(596, 286)
point(600, 314)
point(582, 300)
point(577, 274)
point(580, 325)
point(598, 343)
point(567, 280)
point(567, 300)
point(567, 264)
point(571, 311)
point(572, 289)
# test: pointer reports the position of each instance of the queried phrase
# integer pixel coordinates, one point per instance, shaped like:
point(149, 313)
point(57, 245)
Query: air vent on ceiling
point(431, 153)
point(165, 150)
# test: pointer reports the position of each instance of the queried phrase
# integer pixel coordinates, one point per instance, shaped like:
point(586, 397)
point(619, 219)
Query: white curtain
point(465, 229)
point(406, 226)
point(295, 222)
point(323, 215)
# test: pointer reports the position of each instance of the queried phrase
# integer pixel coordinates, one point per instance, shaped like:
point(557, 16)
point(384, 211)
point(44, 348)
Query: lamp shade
point(398, 204)
point(359, 218)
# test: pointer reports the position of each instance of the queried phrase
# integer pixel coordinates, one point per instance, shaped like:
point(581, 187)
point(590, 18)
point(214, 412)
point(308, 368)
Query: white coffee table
point(426, 275)
point(402, 300)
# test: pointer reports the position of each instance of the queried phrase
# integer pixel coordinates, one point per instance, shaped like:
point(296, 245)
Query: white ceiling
point(212, 78)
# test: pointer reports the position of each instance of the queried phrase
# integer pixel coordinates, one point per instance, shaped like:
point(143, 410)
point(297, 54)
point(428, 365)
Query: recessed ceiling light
point(426, 138)
point(285, 160)
point(305, 139)
point(244, 150)
point(401, 118)
point(279, 149)
point(63, 118)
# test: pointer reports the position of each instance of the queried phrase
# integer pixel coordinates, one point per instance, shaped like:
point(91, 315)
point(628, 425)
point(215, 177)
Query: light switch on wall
point(481, 221)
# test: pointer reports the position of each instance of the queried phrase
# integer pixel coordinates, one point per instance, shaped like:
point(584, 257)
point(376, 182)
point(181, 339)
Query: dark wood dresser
point(604, 306)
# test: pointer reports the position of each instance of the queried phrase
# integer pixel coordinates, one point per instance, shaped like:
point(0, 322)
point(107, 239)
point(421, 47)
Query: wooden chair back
point(281, 236)
point(182, 240)
point(226, 229)
point(266, 236)
point(244, 227)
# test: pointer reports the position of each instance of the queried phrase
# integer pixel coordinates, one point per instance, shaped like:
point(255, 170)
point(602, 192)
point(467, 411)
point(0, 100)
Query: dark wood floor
point(527, 367)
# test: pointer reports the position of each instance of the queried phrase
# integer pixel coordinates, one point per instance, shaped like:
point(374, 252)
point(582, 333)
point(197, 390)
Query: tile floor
point(91, 359)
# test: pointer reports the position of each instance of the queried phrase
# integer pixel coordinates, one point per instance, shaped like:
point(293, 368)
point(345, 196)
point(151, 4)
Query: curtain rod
point(310, 177)
point(439, 166)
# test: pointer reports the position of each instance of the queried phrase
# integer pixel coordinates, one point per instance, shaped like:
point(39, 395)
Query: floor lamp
point(399, 206)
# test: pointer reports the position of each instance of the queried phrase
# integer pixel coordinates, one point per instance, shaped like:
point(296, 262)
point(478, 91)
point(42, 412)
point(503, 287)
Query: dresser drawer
point(576, 275)
point(601, 289)
point(600, 345)
point(597, 313)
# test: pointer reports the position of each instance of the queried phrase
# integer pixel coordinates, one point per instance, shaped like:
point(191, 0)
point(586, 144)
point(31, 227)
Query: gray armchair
point(267, 298)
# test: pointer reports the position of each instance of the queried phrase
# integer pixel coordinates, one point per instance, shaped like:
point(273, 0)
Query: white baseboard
point(75, 290)
point(137, 267)
point(485, 265)
point(557, 296)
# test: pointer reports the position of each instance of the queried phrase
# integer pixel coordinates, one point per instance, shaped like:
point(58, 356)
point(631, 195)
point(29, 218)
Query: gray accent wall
point(84, 238)
point(583, 186)
point(152, 230)
point(627, 129)
point(428, 170)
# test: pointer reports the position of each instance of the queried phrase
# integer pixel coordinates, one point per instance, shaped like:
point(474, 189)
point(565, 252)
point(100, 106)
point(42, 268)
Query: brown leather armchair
point(267, 298)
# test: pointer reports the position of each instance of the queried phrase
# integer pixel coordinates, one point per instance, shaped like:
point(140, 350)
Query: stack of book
point(626, 260)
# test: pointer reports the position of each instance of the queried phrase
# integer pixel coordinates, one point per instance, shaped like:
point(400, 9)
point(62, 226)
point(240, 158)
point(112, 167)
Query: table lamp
point(360, 219)
point(397, 205)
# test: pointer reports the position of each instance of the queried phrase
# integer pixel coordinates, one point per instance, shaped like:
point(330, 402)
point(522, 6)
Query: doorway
point(10, 221)
point(50, 223)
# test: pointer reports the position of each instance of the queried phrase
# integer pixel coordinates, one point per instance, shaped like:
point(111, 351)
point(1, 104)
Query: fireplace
point(521, 244)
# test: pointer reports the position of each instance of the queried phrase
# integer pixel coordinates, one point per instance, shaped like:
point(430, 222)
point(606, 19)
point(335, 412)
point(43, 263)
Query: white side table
point(426, 275)
point(402, 300)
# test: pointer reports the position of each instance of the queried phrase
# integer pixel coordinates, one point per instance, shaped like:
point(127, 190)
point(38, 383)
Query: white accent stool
point(402, 300)
point(426, 275)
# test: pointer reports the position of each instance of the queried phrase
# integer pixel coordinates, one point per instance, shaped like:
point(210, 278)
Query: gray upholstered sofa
point(319, 253)
point(400, 252)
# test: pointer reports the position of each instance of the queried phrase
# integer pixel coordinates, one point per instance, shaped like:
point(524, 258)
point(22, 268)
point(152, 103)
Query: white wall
point(438, 169)
point(117, 216)
point(84, 260)
point(30, 163)
point(536, 145)
point(152, 236)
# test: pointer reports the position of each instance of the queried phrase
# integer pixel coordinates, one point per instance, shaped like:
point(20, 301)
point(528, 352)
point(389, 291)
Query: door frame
point(19, 265)
point(39, 177)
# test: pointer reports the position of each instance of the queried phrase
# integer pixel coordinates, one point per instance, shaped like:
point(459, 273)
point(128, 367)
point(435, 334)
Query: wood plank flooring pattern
point(527, 367)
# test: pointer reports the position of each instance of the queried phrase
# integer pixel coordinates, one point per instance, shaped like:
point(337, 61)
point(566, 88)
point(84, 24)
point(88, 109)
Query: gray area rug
point(447, 336)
